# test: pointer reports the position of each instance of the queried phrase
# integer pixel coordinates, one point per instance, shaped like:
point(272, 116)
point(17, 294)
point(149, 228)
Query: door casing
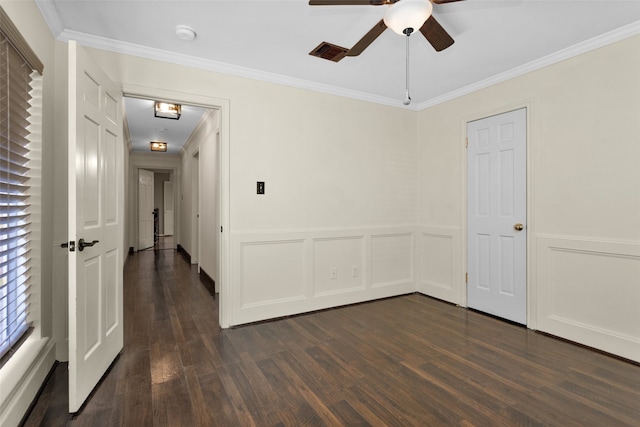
point(223, 106)
point(498, 223)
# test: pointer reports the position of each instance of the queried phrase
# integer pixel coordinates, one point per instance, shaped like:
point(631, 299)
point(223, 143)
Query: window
point(18, 68)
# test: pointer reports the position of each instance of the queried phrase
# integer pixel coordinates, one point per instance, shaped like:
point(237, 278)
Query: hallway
point(171, 330)
point(404, 361)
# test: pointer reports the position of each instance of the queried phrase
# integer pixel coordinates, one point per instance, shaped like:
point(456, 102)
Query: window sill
point(22, 376)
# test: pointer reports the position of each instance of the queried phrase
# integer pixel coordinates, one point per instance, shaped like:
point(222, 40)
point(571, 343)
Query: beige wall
point(327, 161)
point(584, 194)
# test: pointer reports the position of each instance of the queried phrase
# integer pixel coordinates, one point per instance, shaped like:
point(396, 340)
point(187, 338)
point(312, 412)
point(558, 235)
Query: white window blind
point(16, 68)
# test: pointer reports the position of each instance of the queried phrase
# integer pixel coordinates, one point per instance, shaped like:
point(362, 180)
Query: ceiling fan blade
point(436, 35)
point(350, 2)
point(443, 1)
point(368, 38)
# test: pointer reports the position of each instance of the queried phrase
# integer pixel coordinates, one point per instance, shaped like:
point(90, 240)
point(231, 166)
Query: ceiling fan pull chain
point(407, 98)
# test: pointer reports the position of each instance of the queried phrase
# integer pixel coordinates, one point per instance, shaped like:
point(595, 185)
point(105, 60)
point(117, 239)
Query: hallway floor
point(405, 361)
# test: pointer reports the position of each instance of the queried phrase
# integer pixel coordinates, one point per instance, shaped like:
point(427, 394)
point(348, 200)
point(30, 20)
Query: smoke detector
point(185, 33)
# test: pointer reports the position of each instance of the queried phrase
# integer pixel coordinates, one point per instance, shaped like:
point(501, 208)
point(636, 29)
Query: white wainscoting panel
point(440, 269)
point(272, 271)
point(392, 259)
point(337, 265)
point(277, 274)
point(589, 292)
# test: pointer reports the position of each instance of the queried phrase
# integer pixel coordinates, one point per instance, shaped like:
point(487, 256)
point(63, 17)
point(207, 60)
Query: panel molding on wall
point(440, 263)
point(277, 274)
point(589, 292)
point(345, 254)
point(392, 259)
point(272, 271)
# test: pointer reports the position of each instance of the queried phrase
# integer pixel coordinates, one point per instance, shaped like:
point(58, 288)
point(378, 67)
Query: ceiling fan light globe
point(407, 14)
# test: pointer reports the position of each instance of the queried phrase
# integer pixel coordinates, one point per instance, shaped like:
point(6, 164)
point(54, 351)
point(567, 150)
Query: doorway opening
point(156, 221)
point(208, 247)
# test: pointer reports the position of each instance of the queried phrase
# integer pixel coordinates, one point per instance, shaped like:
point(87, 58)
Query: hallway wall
point(203, 140)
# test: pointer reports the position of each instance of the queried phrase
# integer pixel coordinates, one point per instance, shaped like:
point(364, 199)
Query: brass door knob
point(518, 227)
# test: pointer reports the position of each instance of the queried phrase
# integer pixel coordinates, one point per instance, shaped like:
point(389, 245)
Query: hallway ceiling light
point(158, 146)
point(164, 110)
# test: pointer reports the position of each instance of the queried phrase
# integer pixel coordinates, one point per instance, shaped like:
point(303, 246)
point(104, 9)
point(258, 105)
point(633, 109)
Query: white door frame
point(223, 106)
point(530, 229)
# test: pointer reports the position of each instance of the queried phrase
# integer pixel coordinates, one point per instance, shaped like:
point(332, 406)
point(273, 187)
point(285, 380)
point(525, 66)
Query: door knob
point(518, 227)
point(82, 244)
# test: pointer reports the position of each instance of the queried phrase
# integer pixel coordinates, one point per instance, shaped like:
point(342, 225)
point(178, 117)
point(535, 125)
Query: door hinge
point(466, 277)
point(221, 229)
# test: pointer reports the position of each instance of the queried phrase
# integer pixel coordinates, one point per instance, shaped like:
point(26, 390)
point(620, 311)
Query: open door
point(96, 213)
point(146, 238)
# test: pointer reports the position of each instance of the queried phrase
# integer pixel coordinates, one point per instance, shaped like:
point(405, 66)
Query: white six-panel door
point(496, 215)
point(96, 212)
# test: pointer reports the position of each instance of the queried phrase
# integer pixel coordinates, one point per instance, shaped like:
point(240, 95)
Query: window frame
point(29, 230)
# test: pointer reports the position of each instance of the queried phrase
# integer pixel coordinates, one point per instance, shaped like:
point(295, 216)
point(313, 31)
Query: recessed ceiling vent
point(329, 51)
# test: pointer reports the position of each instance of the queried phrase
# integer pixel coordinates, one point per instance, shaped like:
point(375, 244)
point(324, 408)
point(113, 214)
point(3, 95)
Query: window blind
point(16, 69)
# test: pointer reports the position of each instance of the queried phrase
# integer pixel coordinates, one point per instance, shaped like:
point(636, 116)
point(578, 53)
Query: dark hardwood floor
point(405, 361)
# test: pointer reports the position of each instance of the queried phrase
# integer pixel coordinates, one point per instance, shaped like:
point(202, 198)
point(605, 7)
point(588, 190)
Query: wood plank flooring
point(405, 361)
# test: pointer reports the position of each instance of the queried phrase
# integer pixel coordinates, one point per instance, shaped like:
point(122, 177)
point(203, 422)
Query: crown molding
point(238, 71)
point(559, 56)
point(126, 48)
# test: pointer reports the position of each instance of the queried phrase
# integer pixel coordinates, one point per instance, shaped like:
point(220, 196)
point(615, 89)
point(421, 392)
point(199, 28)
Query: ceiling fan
point(403, 16)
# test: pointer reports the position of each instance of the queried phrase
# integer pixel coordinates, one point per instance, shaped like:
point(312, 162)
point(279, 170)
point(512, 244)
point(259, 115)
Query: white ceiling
point(270, 40)
point(144, 127)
